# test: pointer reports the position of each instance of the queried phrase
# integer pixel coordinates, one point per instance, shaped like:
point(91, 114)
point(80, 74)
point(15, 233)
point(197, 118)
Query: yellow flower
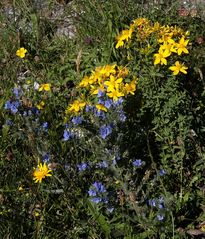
point(20, 189)
point(124, 36)
point(95, 75)
point(46, 87)
point(160, 57)
point(101, 107)
point(107, 70)
point(115, 94)
point(156, 27)
point(41, 105)
point(85, 82)
point(120, 43)
point(178, 68)
point(75, 107)
point(94, 90)
point(21, 52)
point(41, 172)
point(168, 47)
point(113, 83)
point(181, 46)
point(166, 38)
point(130, 88)
point(36, 214)
point(140, 22)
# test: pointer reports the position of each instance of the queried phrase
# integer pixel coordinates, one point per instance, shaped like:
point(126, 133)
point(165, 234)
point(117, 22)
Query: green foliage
point(135, 171)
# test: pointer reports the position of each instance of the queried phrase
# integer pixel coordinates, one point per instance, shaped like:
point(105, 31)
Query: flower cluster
point(159, 206)
point(97, 193)
point(42, 88)
point(166, 40)
point(12, 106)
point(110, 81)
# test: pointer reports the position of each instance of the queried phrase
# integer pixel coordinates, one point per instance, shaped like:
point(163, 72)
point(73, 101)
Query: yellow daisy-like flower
point(160, 57)
point(96, 88)
point(41, 172)
point(113, 83)
point(181, 46)
point(45, 87)
point(124, 36)
point(115, 94)
point(166, 38)
point(21, 52)
point(84, 82)
point(140, 22)
point(130, 88)
point(95, 75)
point(41, 105)
point(107, 70)
point(178, 68)
point(75, 107)
point(169, 47)
point(101, 107)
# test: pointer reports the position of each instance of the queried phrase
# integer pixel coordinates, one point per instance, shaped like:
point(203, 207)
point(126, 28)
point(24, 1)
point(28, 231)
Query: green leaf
point(99, 218)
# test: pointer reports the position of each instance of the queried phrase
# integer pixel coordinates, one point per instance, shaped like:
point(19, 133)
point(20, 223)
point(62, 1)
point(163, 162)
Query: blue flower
point(67, 135)
point(161, 202)
point(88, 108)
point(96, 199)
point(13, 106)
point(119, 102)
point(46, 158)
point(9, 122)
point(105, 199)
point(14, 109)
point(99, 187)
point(122, 116)
point(97, 193)
point(99, 113)
point(16, 104)
point(17, 92)
point(117, 158)
point(67, 167)
point(25, 114)
point(45, 126)
point(35, 111)
point(77, 120)
point(82, 166)
point(137, 163)
point(108, 103)
point(110, 209)
point(162, 172)
point(105, 130)
point(152, 202)
point(100, 93)
point(101, 101)
point(102, 164)
point(92, 192)
point(7, 105)
point(29, 112)
point(67, 125)
point(160, 217)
